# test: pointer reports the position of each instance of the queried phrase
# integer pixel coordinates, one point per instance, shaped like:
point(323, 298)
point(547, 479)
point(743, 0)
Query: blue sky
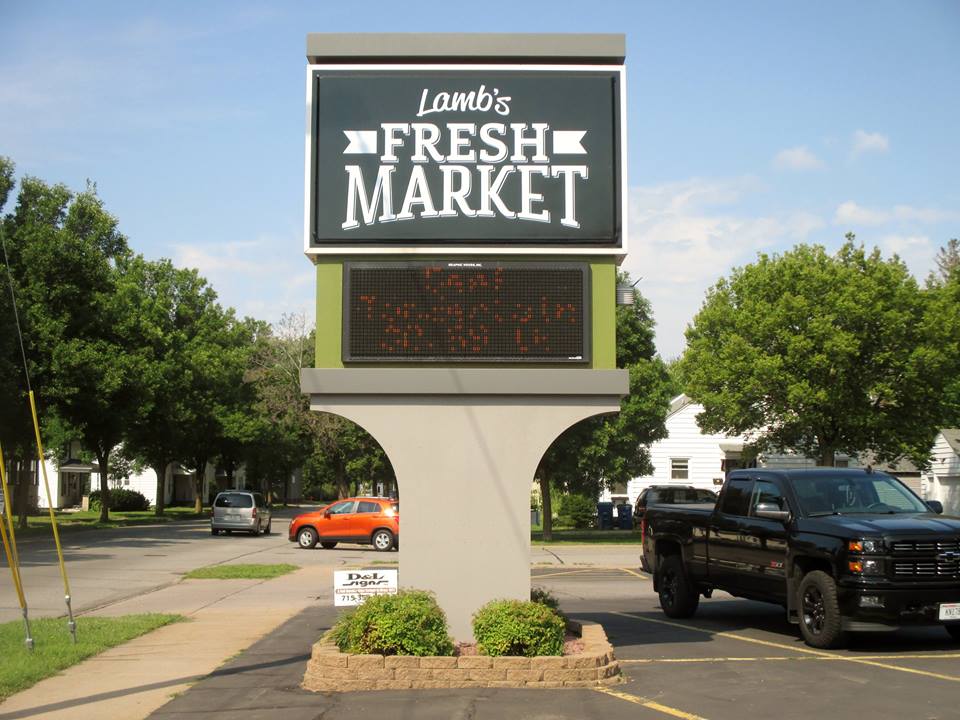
point(752, 126)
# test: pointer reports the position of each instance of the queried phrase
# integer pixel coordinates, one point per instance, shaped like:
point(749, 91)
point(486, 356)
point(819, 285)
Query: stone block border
point(329, 670)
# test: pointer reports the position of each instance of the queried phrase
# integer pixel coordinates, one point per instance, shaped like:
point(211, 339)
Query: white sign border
point(487, 249)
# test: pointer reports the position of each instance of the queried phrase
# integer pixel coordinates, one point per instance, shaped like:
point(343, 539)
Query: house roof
point(678, 404)
point(952, 436)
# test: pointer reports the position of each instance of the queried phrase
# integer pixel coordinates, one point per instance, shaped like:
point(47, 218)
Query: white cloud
point(797, 158)
point(681, 243)
point(262, 278)
point(850, 213)
point(864, 142)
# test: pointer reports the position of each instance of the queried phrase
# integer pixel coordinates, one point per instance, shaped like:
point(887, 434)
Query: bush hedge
point(545, 597)
point(121, 500)
point(578, 511)
point(517, 627)
point(408, 623)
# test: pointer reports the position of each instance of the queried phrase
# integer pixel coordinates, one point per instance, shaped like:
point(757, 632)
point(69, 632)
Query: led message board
point(477, 156)
point(466, 312)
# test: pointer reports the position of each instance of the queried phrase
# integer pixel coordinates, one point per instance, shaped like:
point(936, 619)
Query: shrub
point(578, 511)
point(545, 597)
point(121, 500)
point(516, 627)
point(408, 623)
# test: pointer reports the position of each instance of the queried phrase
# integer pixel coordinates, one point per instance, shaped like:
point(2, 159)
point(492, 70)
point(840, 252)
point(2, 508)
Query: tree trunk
point(103, 459)
point(827, 456)
point(161, 471)
point(21, 498)
point(229, 470)
point(547, 508)
point(286, 489)
point(343, 486)
point(198, 475)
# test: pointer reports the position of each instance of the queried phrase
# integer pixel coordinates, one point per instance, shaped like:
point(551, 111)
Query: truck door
point(765, 543)
point(727, 551)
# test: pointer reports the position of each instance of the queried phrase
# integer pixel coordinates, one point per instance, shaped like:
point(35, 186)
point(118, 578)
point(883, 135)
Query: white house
point(942, 481)
point(688, 456)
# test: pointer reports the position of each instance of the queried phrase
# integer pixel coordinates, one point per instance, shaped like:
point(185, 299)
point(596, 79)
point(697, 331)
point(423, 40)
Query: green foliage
point(825, 353)
point(408, 623)
point(55, 651)
point(578, 511)
point(241, 572)
point(545, 597)
point(516, 627)
point(602, 451)
point(121, 500)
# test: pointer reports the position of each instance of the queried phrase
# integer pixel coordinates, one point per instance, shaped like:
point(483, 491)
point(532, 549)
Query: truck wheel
point(678, 598)
point(820, 621)
point(954, 631)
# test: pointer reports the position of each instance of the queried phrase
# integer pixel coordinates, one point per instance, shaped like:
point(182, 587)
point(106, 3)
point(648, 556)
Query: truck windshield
point(861, 494)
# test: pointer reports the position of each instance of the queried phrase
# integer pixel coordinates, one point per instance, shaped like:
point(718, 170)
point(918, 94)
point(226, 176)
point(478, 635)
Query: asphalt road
point(107, 566)
point(735, 659)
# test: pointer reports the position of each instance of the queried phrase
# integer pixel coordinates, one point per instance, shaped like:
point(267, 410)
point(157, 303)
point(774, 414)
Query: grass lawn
point(54, 649)
point(90, 520)
point(588, 537)
point(241, 572)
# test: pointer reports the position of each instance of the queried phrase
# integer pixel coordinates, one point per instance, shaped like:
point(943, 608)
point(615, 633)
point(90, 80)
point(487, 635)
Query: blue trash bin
point(605, 516)
point(625, 516)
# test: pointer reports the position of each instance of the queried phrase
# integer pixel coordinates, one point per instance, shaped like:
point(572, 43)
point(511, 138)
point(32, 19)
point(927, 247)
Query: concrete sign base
point(464, 444)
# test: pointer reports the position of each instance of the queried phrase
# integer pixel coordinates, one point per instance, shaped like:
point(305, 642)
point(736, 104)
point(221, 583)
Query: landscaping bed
point(591, 663)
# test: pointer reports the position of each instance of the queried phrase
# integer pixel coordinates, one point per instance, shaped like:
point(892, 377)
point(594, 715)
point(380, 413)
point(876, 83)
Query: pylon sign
point(474, 158)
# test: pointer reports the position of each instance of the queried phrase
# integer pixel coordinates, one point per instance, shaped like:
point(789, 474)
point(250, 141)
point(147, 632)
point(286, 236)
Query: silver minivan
point(240, 510)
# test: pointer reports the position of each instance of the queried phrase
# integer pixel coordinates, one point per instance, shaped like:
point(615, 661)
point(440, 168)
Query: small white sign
point(352, 587)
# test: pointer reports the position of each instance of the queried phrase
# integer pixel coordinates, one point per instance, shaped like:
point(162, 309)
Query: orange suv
point(366, 520)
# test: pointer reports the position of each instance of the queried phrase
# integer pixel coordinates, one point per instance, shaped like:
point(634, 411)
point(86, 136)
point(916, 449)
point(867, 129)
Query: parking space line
point(782, 646)
point(635, 573)
point(651, 704)
point(562, 572)
point(764, 658)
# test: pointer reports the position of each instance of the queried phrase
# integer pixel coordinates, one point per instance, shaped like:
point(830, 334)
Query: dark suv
point(670, 495)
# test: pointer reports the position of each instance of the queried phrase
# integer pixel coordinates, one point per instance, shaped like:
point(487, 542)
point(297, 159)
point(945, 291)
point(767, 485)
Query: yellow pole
point(71, 624)
point(13, 559)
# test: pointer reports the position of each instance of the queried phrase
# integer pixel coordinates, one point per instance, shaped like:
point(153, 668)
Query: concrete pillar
point(464, 445)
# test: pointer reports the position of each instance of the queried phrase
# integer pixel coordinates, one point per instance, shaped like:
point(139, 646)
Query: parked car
point(842, 550)
point(240, 510)
point(670, 495)
point(365, 520)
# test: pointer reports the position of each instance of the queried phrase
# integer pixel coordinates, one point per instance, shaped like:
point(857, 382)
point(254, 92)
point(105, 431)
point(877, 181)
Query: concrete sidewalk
point(132, 680)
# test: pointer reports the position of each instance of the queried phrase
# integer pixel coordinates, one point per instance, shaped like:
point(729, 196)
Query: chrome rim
point(814, 611)
point(306, 538)
point(381, 540)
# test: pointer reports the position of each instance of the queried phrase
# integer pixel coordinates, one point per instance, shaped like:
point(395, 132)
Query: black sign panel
point(466, 312)
point(470, 157)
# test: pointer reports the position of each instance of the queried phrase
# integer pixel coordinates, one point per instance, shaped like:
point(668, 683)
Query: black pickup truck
point(842, 550)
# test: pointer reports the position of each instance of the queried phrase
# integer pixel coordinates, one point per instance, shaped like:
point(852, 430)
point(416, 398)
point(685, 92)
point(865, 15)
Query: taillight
point(254, 513)
point(643, 529)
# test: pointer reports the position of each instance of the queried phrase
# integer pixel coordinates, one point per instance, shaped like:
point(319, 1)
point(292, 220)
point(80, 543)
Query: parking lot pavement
point(735, 659)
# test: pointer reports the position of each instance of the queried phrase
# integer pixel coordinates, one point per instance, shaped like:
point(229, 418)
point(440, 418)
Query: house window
point(679, 468)
point(841, 463)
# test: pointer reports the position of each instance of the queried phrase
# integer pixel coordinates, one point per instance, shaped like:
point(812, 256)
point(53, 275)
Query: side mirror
point(326, 515)
point(771, 511)
point(936, 506)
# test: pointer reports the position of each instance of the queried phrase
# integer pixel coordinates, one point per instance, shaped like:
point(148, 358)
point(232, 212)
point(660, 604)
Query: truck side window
point(736, 498)
point(765, 491)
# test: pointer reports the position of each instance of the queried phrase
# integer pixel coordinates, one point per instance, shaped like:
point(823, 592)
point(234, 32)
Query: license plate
point(949, 611)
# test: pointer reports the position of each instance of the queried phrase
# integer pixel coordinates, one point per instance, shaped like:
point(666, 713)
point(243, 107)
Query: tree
point(64, 253)
point(165, 304)
point(821, 354)
point(948, 262)
point(16, 424)
point(599, 452)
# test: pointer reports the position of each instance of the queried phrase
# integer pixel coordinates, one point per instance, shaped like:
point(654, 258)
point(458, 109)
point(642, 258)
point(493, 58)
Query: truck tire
point(678, 597)
point(820, 622)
